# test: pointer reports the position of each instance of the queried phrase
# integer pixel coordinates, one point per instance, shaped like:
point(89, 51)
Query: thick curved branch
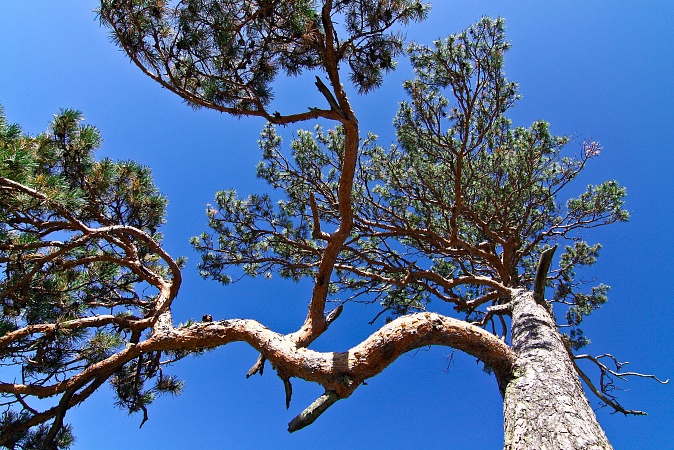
point(329, 369)
point(363, 361)
point(314, 325)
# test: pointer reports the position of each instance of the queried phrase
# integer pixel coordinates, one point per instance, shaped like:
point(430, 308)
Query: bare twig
point(604, 398)
point(622, 375)
point(24, 404)
point(378, 315)
point(606, 386)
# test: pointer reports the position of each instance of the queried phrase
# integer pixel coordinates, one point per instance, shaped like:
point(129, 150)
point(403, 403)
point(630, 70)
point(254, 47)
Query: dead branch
point(606, 382)
point(542, 274)
point(313, 411)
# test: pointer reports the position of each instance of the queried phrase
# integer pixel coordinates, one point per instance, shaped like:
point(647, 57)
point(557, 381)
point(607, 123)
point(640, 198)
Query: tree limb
point(329, 97)
point(542, 274)
point(604, 398)
point(313, 411)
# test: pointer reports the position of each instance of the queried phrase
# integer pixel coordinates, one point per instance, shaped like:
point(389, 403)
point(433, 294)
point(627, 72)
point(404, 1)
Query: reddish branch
point(341, 372)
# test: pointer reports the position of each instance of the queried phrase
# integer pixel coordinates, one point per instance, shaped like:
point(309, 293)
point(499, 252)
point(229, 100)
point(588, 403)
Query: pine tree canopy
point(459, 210)
point(82, 269)
point(444, 229)
point(225, 54)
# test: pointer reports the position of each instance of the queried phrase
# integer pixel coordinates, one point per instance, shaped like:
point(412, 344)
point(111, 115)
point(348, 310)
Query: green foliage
point(566, 282)
point(101, 346)
point(78, 239)
point(226, 54)
point(288, 227)
point(63, 191)
point(459, 210)
point(34, 438)
point(129, 384)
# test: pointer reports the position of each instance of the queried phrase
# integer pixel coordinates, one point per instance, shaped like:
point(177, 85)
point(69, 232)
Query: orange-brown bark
point(330, 369)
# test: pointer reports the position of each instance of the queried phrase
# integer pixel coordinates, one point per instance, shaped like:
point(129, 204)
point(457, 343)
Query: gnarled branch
point(605, 386)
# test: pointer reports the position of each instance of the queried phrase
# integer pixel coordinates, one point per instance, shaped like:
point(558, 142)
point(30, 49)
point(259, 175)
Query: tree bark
point(544, 403)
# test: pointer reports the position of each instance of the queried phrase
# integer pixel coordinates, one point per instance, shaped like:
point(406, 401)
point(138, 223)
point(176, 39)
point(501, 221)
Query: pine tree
point(78, 245)
point(465, 209)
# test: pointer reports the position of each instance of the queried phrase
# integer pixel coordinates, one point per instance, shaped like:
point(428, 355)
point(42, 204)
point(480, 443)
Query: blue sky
point(600, 69)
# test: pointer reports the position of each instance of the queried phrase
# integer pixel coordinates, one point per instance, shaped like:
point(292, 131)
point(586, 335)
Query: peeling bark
point(341, 372)
point(544, 403)
point(331, 369)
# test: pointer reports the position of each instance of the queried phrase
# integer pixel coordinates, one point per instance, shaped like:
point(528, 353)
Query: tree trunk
point(544, 403)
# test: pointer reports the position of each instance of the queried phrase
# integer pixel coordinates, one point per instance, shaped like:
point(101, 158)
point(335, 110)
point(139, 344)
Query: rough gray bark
point(544, 403)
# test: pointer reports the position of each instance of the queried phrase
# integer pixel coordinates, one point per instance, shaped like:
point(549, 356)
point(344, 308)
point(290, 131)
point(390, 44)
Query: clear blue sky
point(602, 69)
